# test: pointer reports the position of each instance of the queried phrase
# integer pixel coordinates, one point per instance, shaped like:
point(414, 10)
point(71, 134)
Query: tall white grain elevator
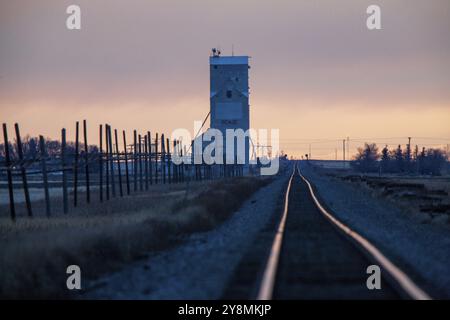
point(229, 95)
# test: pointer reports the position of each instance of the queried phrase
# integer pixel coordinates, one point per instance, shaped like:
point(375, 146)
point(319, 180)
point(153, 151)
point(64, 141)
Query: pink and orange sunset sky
point(317, 73)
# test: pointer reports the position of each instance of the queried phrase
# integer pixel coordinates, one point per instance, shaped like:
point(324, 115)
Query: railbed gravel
point(202, 265)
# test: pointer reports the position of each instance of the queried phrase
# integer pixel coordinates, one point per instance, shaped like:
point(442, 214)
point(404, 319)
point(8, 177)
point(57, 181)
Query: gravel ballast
point(421, 249)
point(202, 265)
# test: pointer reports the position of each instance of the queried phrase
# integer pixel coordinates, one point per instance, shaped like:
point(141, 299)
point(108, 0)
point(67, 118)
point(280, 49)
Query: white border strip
point(398, 275)
point(270, 272)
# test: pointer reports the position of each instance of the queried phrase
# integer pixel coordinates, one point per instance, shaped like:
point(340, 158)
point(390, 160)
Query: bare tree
point(366, 160)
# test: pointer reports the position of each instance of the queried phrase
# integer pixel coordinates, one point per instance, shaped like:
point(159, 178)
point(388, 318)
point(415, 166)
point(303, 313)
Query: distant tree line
point(430, 161)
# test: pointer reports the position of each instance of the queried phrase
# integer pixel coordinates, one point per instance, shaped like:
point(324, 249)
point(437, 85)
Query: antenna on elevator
point(215, 52)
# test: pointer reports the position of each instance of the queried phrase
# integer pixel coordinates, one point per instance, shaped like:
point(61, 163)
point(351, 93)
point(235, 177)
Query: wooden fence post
point(111, 162)
point(156, 158)
point(141, 181)
point(126, 162)
point(12, 208)
point(100, 162)
point(146, 160)
point(181, 161)
point(118, 163)
point(44, 174)
point(182, 164)
point(107, 161)
point(149, 140)
point(75, 169)
point(64, 173)
point(163, 159)
point(169, 159)
point(86, 164)
point(135, 168)
point(23, 171)
point(175, 167)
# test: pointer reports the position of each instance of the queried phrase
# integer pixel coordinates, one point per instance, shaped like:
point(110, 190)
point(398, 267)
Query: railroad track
point(315, 256)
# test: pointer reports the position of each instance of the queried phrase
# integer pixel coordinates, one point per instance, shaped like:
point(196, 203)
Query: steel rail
point(268, 281)
point(395, 272)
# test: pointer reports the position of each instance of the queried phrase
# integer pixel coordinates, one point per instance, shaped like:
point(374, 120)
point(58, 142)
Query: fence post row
point(144, 158)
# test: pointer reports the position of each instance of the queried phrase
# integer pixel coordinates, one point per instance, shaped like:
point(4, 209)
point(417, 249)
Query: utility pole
point(348, 148)
point(408, 151)
point(409, 147)
point(343, 150)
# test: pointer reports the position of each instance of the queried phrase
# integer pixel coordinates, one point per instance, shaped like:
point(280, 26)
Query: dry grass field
point(101, 237)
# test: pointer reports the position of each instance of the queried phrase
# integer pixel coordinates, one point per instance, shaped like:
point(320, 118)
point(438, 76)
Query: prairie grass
point(102, 237)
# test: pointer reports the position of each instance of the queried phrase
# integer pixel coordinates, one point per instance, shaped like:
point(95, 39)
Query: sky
point(317, 73)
